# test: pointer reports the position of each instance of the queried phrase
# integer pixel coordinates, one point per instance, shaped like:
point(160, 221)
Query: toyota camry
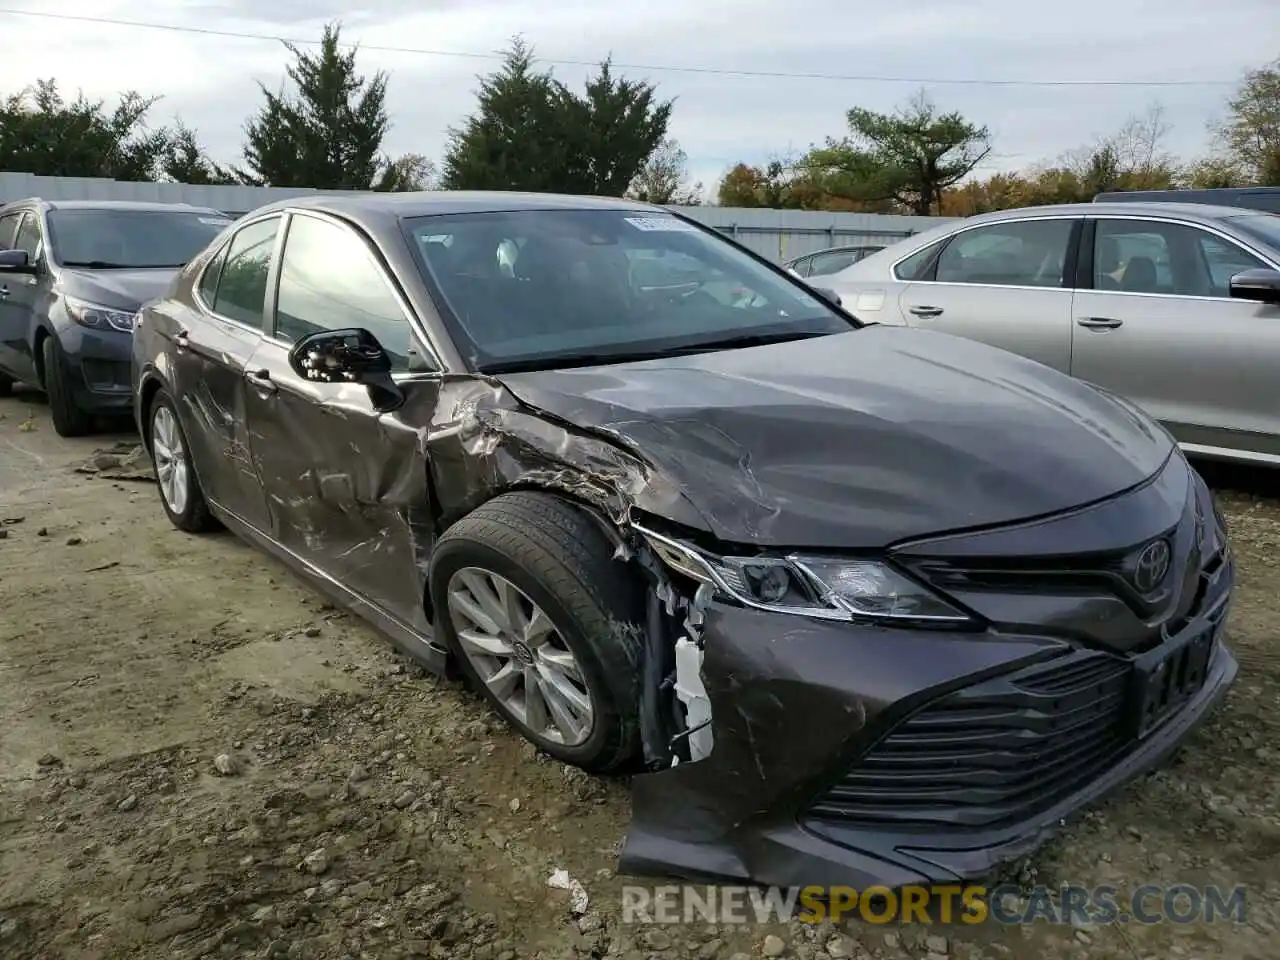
point(855, 603)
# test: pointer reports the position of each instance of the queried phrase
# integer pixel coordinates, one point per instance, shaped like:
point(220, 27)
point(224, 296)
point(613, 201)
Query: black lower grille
point(105, 374)
point(995, 752)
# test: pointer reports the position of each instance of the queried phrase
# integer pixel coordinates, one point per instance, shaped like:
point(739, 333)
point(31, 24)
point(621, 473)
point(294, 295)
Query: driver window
point(29, 238)
point(329, 280)
point(8, 226)
point(1224, 260)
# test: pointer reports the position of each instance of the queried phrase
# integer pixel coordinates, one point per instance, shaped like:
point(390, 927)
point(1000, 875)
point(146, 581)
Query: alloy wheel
point(521, 656)
point(170, 455)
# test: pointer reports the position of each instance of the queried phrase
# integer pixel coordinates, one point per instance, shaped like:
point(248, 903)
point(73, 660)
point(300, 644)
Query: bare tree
point(665, 178)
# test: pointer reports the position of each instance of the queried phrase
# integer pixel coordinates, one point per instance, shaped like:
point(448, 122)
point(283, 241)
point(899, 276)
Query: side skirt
point(422, 649)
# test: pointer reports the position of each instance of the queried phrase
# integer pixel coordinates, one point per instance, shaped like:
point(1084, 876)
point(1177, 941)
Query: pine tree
point(326, 135)
point(531, 132)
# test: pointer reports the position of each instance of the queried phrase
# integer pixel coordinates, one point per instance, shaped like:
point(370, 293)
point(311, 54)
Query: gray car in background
point(823, 263)
point(1175, 306)
point(73, 273)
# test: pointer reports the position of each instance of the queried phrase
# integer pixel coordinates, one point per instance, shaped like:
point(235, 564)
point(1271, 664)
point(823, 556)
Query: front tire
point(542, 620)
point(68, 419)
point(180, 493)
point(6, 385)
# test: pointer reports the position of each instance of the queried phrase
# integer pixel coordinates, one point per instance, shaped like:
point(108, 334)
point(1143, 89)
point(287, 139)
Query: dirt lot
point(200, 758)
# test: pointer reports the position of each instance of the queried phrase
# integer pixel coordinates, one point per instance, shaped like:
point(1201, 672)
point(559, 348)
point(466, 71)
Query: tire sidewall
point(68, 419)
point(186, 519)
point(604, 692)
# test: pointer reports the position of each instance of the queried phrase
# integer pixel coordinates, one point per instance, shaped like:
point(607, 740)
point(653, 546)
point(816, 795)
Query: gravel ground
point(201, 758)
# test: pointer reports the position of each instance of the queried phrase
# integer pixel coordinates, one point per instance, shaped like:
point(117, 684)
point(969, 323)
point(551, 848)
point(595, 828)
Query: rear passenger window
point(916, 266)
point(242, 288)
point(1023, 253)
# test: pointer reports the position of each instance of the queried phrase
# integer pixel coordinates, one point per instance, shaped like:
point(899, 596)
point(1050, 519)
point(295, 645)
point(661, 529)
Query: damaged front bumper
point(849, 754)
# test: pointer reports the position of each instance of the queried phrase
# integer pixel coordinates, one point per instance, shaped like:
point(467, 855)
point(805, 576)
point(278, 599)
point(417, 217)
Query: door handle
point(927, 313)
point(4, 291)
point(181, 340)
point(1100, 323)
point(261, 380)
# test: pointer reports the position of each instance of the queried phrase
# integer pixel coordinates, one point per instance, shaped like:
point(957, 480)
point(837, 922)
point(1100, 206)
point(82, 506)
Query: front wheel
point(68, 419)
point(180, 493)
point(541, 619)
point(6, 385)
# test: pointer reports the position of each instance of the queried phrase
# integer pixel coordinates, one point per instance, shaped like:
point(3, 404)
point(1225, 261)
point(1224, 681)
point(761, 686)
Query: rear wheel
point(180, 492)
point(540, 618)
point(68, 419)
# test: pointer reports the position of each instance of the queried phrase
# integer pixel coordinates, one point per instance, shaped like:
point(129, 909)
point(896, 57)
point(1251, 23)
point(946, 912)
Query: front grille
point(995, 752)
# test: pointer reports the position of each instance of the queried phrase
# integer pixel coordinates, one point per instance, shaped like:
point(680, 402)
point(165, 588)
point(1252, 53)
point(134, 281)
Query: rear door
point(1155, 322)
point(1005, 283)
point(211, 353)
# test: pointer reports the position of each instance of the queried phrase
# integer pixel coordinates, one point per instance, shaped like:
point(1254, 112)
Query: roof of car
point(148, 205)
point(429, 202)
point(1155, 208)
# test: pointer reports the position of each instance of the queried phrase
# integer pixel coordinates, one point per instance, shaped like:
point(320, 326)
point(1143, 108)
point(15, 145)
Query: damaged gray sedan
point(859, 604)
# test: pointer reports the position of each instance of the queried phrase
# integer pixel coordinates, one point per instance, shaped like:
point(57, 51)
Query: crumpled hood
point(860, 439)
point(120, 289)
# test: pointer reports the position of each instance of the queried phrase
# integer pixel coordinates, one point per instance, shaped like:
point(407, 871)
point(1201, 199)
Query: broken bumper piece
point(859, 755)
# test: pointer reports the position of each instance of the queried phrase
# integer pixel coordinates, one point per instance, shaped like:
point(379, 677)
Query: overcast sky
point(211, 81)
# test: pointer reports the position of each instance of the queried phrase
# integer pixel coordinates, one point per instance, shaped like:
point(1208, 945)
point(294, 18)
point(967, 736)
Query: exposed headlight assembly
point(98, 317)
point(824, 587)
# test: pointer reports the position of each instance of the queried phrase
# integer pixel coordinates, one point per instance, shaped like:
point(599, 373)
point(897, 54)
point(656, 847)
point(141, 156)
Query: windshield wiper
point(97, 264)
point(593, 357)
point(745, 340)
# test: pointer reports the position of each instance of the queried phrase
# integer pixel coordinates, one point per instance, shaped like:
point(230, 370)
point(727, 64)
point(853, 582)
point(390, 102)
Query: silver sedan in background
point(1174, 306)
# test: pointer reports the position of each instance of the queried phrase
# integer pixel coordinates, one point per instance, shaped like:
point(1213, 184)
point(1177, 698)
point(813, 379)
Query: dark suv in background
point(72, 276)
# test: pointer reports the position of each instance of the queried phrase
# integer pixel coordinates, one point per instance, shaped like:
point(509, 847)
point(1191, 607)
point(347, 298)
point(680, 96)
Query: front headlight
point(98, 317)
point(823, 587)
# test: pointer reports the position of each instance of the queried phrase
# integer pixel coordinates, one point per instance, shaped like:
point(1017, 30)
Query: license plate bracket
point(1167, 677)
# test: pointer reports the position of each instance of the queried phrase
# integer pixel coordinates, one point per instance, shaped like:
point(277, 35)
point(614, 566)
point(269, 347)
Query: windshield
point(1260, 226)
point(137, 239)
point(536, 289)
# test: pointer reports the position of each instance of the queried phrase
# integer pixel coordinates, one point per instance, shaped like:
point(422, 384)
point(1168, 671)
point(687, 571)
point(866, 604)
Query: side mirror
point(352, 356)
point(826, 293)
point(1262, 286)
point(16, 261)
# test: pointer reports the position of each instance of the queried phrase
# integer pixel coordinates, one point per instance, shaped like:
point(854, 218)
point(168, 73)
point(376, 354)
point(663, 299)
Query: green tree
point(909, 157)
point(1251, 130)
point(531, 132)
point(327, 134)
point(184, 161)
point(43, 133)
point(413, 171)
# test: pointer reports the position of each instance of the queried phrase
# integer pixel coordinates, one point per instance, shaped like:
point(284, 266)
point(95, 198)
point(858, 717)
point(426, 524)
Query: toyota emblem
point(1151, 566)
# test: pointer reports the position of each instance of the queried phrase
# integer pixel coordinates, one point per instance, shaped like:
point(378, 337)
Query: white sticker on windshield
point(660, 224)
point(215, 221)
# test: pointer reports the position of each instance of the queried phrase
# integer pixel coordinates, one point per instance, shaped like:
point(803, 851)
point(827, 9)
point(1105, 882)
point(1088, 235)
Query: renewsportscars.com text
point(1008, 905)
